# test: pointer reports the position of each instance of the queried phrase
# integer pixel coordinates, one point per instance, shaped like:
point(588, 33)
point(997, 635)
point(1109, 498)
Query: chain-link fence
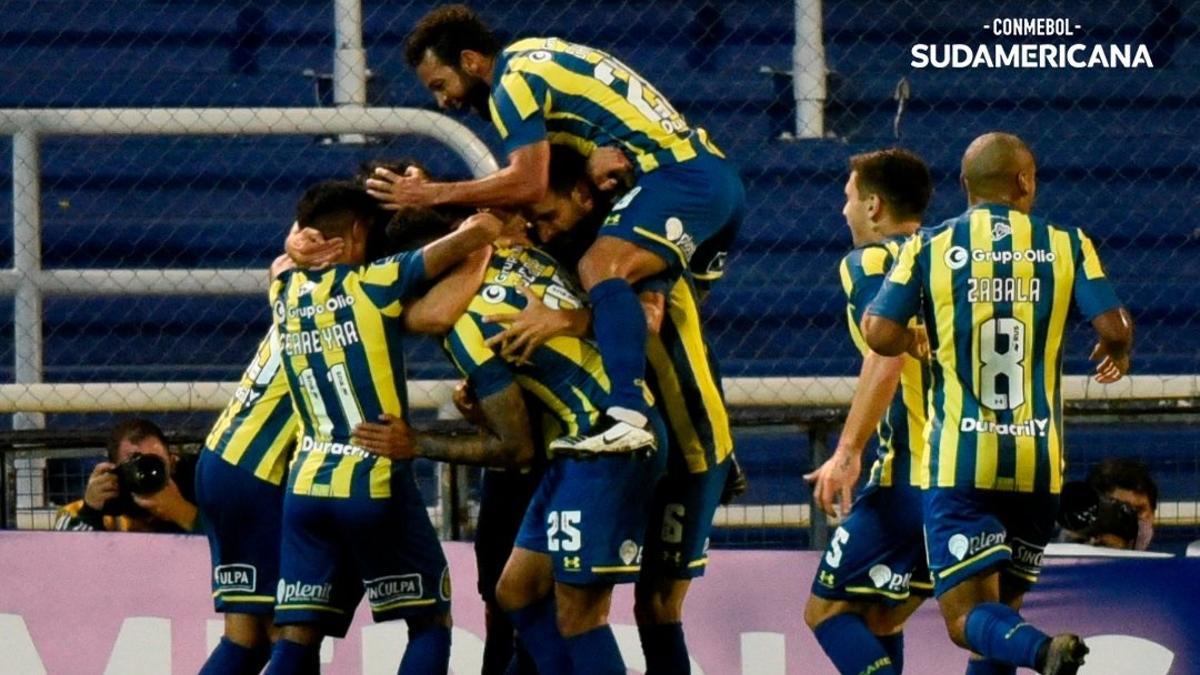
point(788, 90)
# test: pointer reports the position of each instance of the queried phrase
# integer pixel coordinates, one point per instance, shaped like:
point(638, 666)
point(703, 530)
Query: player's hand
point(492, 225)
point(391, 438)
point(834, 483)
point(609, 169)
point(309, 248)
point(468, 405)
point(919, 347)
point(527, 330)
point(168, 504)
point(1109, 369)
point(394, 190)
point(101, 486)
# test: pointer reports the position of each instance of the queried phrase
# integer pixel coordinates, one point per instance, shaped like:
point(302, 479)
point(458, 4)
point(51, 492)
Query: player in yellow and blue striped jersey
point(241, 470)
point(584, 528)
point(995, 286)
point(680, 214)
point(339, 328)
point(686, 383)
point(873, 573)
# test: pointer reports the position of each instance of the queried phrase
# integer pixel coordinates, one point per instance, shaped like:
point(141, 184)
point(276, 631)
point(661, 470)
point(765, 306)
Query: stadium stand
point(1120, 153)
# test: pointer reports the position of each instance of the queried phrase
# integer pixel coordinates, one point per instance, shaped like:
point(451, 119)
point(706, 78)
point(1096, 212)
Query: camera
point(1088, 513)
point(140, 474)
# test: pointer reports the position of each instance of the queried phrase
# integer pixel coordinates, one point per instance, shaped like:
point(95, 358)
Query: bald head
point(999, 167)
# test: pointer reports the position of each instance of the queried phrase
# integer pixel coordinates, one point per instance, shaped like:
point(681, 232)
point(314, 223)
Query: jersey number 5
point(1001, 381)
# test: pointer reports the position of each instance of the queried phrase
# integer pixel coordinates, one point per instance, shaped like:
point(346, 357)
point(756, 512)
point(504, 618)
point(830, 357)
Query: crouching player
point(583, 531)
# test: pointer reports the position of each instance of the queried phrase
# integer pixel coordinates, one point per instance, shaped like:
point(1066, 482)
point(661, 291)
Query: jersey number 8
point(1001, 381)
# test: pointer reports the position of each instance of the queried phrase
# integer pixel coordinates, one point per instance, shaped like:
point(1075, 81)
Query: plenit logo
point(1031, 43)
point(961, 546)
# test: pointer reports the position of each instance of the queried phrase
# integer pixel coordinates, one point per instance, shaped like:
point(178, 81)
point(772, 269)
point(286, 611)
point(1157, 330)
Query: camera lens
point(142, 474)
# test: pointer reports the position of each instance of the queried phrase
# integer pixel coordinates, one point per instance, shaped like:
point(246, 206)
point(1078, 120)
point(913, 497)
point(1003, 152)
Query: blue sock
point(428, 652)
point(989, 667)
point(230, 658)
point(537, 627)
point(894, 646)
point(596, 653)
point(997, 632)
point(620, 328)
point(852, 647)
point(289, 657)
point(665, 649)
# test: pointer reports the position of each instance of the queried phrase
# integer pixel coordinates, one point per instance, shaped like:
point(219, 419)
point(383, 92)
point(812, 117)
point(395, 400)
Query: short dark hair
point(447, 31)
point(1125, 474)
point(567, 168)
point(332, 207)
point(134, 430)
point(415, 226)
point(899, 177)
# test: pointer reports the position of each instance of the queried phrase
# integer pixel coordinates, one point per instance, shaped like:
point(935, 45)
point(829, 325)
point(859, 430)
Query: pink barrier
point(84, 603)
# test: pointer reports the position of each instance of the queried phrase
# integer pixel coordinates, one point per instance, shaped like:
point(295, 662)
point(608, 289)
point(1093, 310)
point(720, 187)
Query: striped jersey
point(569, 94)
point(339, 328)
point(257, 429)
point(898, 457)
point(998, 285)
point(565, 374)
point(683, 376)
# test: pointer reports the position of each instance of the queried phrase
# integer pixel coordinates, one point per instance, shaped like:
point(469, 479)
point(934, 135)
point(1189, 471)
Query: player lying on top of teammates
point(995, 286)
point(584, 528)
point(681, 214)
point(339, 328)
point(873, 575)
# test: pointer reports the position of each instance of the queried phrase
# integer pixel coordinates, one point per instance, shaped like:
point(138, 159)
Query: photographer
point(1113, 508)
point(135, 490)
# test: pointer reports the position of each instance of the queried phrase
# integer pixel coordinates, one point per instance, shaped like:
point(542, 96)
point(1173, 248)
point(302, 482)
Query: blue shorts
point(681, 521)
point(878, 553)
point(969, 532)
point(589, 516)
point(335, 549)
point(687, 214)
point(242, 515)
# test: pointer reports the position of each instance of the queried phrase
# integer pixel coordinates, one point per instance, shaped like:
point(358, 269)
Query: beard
point(478, 95)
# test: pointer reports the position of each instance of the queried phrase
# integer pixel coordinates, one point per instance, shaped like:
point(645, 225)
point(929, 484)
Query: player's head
point(886, 194)
point(377, 240)
point(412, 227)
point(1129, 481)
point(999, 168)
point(339, 209)
point(569, 197)
point(453, 52)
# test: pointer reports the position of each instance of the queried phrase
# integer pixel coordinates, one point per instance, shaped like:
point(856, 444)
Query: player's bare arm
point(522, 182)
point(1115, 330)
point(885, 336)
point(474, 233)
point(835, 480)
point(506, 441)
point(435, 312)
point(537, 324)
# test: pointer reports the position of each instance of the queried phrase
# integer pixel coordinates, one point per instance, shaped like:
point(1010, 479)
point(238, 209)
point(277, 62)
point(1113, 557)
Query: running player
point(873, 574)
point(681, 213)
point(338, 329)
point(997, 284)
point(684, 378)
point(584, 529)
